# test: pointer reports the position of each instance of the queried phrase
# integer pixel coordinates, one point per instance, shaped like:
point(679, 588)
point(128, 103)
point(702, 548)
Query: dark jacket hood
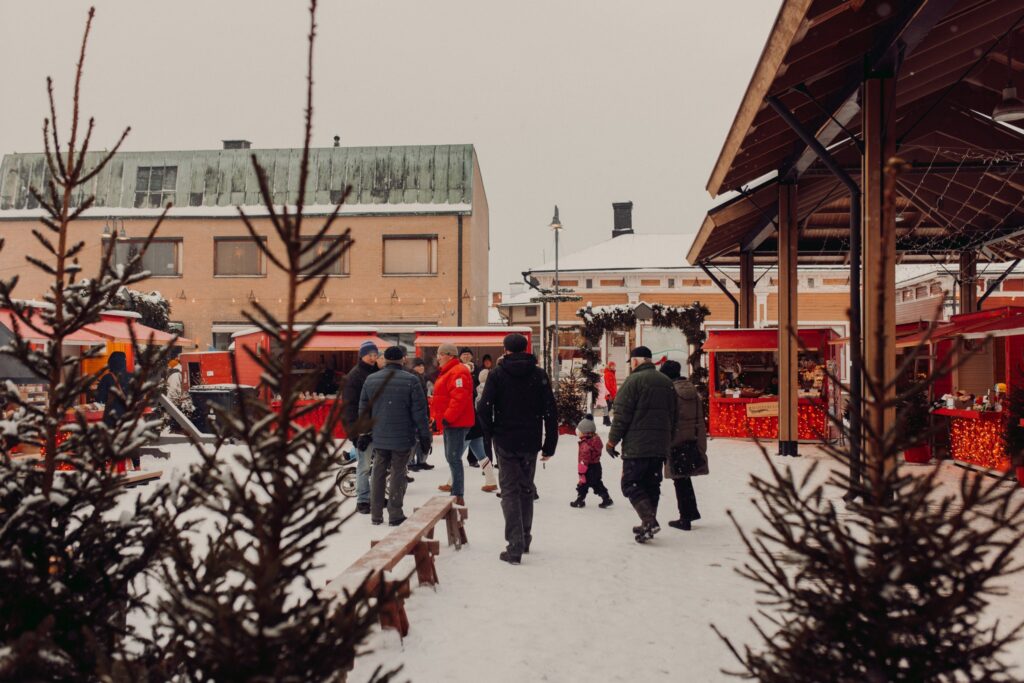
point(519, 364)
point(685, 389)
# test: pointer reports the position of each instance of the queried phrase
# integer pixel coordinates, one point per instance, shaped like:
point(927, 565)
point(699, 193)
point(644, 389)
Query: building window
point(530, 311)
point(568, 283)
point(650, 283)
point(810, 283)
point(671, 282)
point(339, 267)
point(590, 283)
point(222, 340)
point(154, 185)
point(410, 254)
point(162, 257)
point(936, 288)
point(921, 292)
point(614, 283)
point(234, 257)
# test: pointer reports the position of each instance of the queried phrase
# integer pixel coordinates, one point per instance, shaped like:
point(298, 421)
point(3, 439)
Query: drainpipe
point(458, 293)
point(855, 260)
point(725, 290)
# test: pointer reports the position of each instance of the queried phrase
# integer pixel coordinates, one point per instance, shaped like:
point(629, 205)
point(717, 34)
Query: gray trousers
point(515, 474)
point(388, 466)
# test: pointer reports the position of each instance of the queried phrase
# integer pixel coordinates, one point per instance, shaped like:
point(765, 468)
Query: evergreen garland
point(689, 319)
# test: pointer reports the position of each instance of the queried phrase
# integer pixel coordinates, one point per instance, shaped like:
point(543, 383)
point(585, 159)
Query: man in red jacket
point(452, 408)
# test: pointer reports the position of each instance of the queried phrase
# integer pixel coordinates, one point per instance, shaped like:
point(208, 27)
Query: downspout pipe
point(856, 349)
point(721, 286)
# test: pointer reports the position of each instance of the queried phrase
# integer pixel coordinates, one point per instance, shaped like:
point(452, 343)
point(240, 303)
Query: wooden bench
point(414, 537)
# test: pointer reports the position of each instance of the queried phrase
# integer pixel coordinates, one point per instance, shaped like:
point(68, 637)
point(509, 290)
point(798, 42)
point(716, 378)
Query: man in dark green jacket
point(645, 419)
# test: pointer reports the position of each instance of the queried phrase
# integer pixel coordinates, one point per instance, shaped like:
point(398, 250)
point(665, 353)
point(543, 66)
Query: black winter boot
point(648, 523)
point(607, 421)
point(579, 502)
point(606, 502)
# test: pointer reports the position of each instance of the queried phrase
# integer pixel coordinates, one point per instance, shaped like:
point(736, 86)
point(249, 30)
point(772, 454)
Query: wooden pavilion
point(851, 98)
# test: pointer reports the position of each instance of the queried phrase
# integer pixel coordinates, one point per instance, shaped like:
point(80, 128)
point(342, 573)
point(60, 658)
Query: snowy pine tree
point(73, 554)
point(240, 602)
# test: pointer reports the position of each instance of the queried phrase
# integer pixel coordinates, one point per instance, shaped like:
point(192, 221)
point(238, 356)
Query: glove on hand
point(363, 442)
point(611, 451)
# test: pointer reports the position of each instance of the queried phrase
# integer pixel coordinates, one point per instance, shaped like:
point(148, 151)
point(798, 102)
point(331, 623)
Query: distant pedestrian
point(419, 368)
point(452, 409)
point(517, 412)
point(611, 385)
point(589, 465)
point(350, 393)
point(112, 392)
point(689, 455)
point(644, 421)
point(394, 401)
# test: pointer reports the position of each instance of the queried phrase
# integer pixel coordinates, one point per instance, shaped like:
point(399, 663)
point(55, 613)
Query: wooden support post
point(426, 571)
point(456, 528)
point(788, 320)
point(747, 300)
point(968, 281)
point(879, 240)
point(392, 612)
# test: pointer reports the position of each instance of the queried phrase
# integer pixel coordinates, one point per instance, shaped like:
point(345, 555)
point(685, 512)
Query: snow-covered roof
point(628, 252)
point(518, 299)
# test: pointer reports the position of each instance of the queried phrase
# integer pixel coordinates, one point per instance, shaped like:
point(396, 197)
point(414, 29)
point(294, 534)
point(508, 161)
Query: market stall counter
point(743, 370)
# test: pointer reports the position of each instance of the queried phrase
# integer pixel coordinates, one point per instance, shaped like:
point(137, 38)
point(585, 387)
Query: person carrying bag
point(688, 456)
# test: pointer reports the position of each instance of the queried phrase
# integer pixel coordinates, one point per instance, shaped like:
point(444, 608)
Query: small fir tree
point(570, 400)
point(72, 552)
point(240, 601)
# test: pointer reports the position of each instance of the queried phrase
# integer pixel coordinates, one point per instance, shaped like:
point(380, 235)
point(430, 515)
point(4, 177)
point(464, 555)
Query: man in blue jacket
point(394, 401)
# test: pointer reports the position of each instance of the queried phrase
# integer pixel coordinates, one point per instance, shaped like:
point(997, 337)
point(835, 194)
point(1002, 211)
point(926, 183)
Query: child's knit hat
point(587, 425)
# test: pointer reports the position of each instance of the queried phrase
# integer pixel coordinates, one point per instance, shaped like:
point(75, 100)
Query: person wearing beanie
point(644, 422)
point(517, 412)
point(396, 406)
point(452, 410)
point(688, 457)
point(589, 465)
point(354, 423)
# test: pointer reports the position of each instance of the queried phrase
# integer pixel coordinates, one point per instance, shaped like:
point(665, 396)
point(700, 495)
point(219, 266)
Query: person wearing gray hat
point(589, 465)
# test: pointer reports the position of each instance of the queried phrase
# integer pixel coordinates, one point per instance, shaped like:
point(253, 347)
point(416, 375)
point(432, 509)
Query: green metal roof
point(410, 175)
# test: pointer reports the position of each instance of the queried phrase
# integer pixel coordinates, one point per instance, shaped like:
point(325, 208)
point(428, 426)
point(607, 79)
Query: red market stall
point(987, 350)
point(743, 371)
point(480, 340)
point(115, 328)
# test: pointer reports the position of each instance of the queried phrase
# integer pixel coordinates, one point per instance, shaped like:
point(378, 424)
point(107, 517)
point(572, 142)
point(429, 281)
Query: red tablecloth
point(317, 417)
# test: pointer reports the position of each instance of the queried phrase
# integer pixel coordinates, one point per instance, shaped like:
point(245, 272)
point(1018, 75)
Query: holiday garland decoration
point(598, 321)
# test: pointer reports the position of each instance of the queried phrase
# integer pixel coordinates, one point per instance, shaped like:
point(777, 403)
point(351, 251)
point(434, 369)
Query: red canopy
point(467, 336)
point(761, 339)
point(79, 338)
point(117, 328)
point(998, 322)
point(343, 341)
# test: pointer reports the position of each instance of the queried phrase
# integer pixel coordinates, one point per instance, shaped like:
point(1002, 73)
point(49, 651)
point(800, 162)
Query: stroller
point(346, 477)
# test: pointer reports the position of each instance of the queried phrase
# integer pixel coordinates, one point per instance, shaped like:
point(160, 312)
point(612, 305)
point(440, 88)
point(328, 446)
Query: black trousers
point(593, 482)
point(641, 479)
point(515, 475)
point(686, 499)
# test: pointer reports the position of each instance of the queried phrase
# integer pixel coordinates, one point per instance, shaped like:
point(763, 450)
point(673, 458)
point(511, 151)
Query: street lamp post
point(556, 225)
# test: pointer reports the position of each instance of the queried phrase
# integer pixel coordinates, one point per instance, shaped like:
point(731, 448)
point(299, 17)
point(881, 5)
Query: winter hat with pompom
point(587, 425)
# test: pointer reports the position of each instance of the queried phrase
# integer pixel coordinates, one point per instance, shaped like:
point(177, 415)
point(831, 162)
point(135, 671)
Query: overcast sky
point(576, 103)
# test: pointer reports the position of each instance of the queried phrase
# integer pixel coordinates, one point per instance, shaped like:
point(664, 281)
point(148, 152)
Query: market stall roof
point(966, 325)
point(44, 333)
point(762, 339)
point(467, 336)
point(961, 186)
point(118, 326)
point(331, 337)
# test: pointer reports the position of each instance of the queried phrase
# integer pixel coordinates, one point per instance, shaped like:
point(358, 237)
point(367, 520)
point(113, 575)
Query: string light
point(979, 441)
point(730, 419)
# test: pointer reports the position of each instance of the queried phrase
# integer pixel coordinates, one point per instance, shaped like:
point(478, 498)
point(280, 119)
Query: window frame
point(434, 261)
point(346, 265)
point(166, 194)
point(179, 252)
point(217, 240)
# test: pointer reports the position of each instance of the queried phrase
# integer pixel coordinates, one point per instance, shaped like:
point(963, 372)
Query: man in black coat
point(397, 406)
point(350, 393)
point(517, 412)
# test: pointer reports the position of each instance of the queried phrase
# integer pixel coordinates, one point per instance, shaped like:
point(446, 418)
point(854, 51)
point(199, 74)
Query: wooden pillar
point(788, 319)
point(968, 281)
point(879, 245)
point(747, 301)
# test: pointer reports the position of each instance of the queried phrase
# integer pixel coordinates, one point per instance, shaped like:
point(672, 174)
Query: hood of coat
point(685, 389)
point(519, 364)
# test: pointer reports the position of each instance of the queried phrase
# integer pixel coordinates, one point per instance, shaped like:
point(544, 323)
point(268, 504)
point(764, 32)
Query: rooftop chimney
point(337, 141)
point(623, 218)
point(495, 298)
point(237, 144)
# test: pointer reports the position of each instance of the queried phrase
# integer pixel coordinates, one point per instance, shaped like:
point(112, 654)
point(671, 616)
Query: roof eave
point(787, 26)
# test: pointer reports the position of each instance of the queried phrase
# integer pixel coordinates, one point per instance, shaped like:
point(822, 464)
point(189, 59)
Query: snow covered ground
point(588, 603)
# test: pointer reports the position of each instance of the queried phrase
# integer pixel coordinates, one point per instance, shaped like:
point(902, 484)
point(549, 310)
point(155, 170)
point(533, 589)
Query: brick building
point(418, 217)
point(922, 291)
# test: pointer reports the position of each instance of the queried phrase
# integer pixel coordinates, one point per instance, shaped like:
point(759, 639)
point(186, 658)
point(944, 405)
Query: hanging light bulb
point(1011, 108)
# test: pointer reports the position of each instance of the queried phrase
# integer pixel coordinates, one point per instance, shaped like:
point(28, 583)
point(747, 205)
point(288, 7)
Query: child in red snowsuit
point(590, 464)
